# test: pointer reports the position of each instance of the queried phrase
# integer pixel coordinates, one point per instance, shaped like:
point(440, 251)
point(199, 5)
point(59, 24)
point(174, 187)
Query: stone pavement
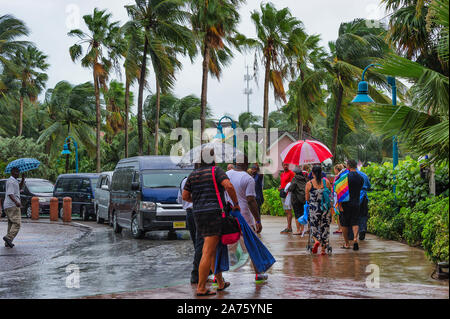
point(404, 272)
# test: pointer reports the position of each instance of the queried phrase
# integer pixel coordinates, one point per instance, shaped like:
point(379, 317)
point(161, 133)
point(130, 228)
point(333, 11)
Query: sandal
point(226, 285)
point(206, 293)
point(345, 247)
point(315, 248)
point(286, 231)
point(355, 246)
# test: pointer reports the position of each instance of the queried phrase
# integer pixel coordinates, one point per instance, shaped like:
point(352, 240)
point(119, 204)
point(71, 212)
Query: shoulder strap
point(217, 189)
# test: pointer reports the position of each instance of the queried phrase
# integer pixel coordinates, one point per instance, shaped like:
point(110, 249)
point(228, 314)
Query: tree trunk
point(203, 101)
point(337, 118)
point(141, 97)
point(266, 102)
point(98, 120)
point(127, 108)
point(299, 124)
point(158, 107)
point(21, 116)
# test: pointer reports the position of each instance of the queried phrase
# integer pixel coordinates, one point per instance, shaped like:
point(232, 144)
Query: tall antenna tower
point(248, 91)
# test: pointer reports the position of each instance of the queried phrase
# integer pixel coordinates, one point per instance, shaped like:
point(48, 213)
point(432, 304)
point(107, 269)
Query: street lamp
point(363, 97)
point(222, 136)
point(66, 150)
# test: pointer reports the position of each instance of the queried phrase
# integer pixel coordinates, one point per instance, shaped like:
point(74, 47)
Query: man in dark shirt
point(350, 215)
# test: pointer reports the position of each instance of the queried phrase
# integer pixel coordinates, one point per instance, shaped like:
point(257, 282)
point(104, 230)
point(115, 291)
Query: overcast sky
point(50, 20)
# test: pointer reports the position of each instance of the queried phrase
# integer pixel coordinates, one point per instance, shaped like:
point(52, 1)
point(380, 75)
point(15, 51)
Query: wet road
point(118, 266)
point(107, 263)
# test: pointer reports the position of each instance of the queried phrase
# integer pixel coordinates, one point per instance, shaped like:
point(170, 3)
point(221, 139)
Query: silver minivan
point(102, 197)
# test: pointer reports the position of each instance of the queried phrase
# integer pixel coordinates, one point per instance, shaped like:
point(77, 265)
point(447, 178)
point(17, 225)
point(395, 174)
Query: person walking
point(363, 205)
point(350, 215)
point(337, 169)
point(298, 199)
point(12, 205)
point(259, 185)
point(318, 215)
point(244, 186)
point(200, 190)
point(196, 237)
point(286, 177)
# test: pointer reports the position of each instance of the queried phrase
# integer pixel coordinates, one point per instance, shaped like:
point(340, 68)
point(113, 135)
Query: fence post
point(54, 209)
point(67, 208)
point(35, 208)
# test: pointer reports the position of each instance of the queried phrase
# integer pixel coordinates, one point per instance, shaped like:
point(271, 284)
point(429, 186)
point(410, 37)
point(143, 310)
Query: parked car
point(34, 187)
point(80, 187)
point(102, 197)
point(144, 195)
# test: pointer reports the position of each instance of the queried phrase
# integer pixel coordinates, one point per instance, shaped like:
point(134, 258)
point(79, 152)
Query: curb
point(48, 222)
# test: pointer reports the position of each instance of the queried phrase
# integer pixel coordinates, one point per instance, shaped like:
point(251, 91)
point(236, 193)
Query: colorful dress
point(319, 220)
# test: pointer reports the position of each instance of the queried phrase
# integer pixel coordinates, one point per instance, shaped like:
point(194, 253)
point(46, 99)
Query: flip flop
point(286, 231)
point(315, 248)
point(206, 293)
point(345, 247)
point(355, 246)
point(296, 233)
point(226, 285)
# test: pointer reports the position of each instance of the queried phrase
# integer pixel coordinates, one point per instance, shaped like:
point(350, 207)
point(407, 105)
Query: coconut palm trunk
point(21, 116)
point(299, 124)
point(98, 120)
point(266, 102)
point(337, 118)
point(141, 97)
point(158, 108)
point(203, 101)
point(127, 110)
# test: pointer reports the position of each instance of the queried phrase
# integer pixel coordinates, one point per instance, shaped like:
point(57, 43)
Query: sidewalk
point(404, 272)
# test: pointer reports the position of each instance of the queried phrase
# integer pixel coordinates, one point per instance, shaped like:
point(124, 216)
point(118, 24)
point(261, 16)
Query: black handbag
point(283, 194)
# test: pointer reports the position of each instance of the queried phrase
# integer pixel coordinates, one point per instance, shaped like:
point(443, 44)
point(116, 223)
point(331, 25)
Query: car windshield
point(40, 187)
point(164, 178)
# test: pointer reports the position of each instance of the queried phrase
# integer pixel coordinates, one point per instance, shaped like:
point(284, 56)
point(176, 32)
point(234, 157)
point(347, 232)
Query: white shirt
point(180, 200)
point(244, 185)
point(12, 188)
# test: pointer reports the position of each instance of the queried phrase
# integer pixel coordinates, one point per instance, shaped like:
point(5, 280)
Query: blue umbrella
point(23, 164)
point(259, 254)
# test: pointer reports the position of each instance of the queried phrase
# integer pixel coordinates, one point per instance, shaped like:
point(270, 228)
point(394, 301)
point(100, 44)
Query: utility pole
point(248, 91)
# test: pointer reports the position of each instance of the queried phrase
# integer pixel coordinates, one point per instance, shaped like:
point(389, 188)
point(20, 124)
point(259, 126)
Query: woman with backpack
point(297, 191)
point(317, 193)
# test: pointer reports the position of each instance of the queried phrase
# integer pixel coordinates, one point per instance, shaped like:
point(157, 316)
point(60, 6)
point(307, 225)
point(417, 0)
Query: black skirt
point(208, 223)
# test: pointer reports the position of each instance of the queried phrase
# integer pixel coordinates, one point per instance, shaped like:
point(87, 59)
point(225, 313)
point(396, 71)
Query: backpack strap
point(217, 190)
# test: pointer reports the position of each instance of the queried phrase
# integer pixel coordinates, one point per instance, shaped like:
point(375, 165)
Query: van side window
point(61, 185)
point(85, 185)
point(117, 181)
point(100, 182)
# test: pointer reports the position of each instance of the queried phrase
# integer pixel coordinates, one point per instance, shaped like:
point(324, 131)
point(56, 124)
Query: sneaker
point(362, 235)
point(8, 242)
point(261, 277)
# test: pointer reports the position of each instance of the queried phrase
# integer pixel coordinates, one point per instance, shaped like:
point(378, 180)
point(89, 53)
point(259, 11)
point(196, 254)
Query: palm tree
point(27, 63)
point(277, 31)
point(99, 56)
point(423, 125)
point(248, 119)
point(356, 47)
point(68, 111)
point(161, 22)
point(214, 24)
point(10, 29)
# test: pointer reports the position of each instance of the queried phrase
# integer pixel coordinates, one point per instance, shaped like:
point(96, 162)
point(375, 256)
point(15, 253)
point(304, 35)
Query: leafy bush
point(272, 203)
point(435, 231)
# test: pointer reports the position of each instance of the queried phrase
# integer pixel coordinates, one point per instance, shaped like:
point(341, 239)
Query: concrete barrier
point(54, 209)
point(35, 208)
point(67, 208)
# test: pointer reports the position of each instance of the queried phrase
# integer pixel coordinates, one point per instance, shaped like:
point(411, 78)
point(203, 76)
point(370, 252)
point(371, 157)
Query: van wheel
point(135, 231)
point(61, 213)
point(97, 218)
point(84, 213)
point(117, 229)
point(172, 235)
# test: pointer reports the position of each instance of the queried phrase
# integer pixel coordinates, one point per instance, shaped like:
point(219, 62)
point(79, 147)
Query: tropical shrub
point(435, 231)
point(272, 203)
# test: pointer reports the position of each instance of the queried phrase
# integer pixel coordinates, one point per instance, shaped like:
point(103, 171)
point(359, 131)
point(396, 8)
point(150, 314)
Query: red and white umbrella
point(305, 152)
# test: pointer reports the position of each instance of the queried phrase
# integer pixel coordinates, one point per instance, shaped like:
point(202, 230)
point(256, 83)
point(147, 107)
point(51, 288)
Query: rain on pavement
point(118, 266)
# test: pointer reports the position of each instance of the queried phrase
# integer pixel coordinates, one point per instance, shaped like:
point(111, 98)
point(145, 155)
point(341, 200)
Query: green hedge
point(412, 215)
point(272, 203)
